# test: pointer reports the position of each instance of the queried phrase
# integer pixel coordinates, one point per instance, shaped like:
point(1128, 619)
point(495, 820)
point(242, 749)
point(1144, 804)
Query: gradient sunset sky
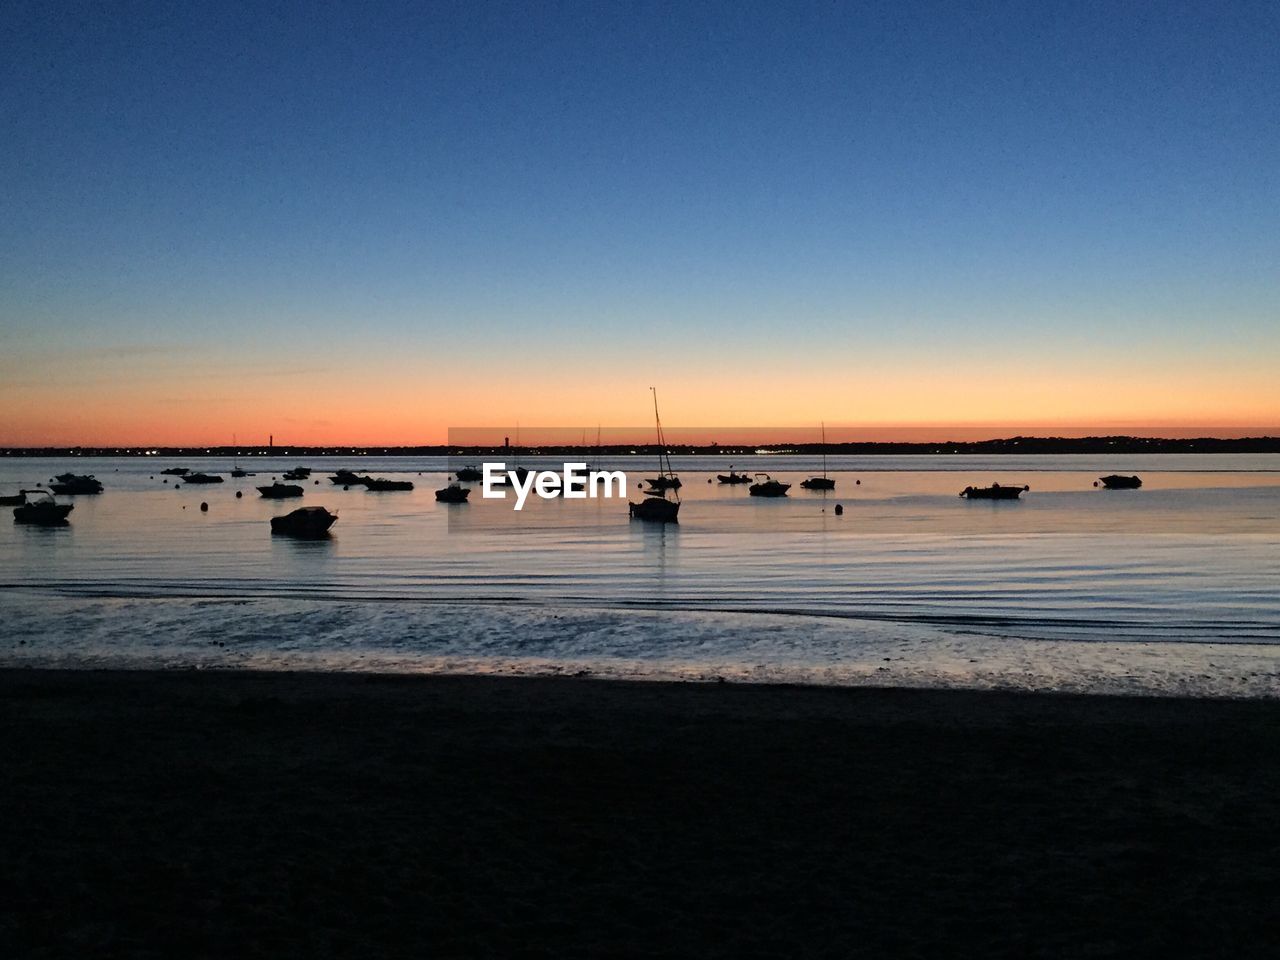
point(369, 222)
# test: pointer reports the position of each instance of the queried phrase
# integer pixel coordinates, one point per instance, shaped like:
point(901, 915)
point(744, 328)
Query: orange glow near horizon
point(367, 409)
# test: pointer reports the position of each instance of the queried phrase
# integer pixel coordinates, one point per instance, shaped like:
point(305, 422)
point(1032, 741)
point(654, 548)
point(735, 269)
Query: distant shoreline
point(1002, 446)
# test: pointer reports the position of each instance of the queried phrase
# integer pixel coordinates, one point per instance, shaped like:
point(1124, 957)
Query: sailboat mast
point(824, 450)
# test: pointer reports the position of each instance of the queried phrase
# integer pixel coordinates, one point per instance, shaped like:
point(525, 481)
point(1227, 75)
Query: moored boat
point(993, 492)
point(345, 478)
point(655, 506)
point(70, 484)
point(470, 473)
point(280, 491)
point(304, 522)
point(768, 487)
point(657, 509)
point(733, 477)
point(1117, 482)
point(823, 482)
point(453, 493)
point(41, 509)
point(381, 484)
point(298, 473)
point(176, 472)
point(202, 478)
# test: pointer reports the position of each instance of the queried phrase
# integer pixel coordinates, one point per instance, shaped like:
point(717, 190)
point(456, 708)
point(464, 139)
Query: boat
point(70, 484)
point(280, 491)
point(1117, 482)
point(993, 492)
point(238, 471)
point(656, 509)
point(823, 482)
point(381, 485)
point(453, 493)
point(41, 509)
point(15, 500)
point(298, 473)
point(655, 506)
point(768, 487)
point(345, 478)
point(732, 477)
point(470, 473)
point(175, 472)
point(202, 478)
point(304, 522)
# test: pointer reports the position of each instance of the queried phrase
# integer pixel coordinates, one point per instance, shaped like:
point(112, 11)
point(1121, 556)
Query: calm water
point(1173, 587)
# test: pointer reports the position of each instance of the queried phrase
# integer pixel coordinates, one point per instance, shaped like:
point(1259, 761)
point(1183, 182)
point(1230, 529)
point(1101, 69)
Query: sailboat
point(655, 505)
point(823, 482)
point(237, 470)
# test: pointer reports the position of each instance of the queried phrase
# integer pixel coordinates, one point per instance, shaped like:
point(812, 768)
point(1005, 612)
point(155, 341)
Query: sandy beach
point(223, 814)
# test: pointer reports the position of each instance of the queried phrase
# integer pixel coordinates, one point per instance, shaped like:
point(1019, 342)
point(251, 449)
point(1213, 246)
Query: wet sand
point(203, 814)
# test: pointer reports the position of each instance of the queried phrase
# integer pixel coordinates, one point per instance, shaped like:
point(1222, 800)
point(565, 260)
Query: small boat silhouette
point(176, 471)
point(70, 484)
point(768, 487)
point(470, 473)
point(453, 493)
point(993, 492)
point(1117, 482)
point(304, 522)
point(381, 485)
point(42, 510)
point(202, 478)
point(280, 491)
point(823, 482)
point(655, 506)
point(733, 477)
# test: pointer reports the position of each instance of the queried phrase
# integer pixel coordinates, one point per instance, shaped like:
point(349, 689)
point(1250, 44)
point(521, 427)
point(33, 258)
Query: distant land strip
point(1009, 445)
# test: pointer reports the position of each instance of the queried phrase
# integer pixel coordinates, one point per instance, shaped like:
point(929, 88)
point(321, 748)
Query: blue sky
point(797, 190)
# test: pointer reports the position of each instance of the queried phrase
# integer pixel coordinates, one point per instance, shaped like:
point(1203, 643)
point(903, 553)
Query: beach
point(255, 814)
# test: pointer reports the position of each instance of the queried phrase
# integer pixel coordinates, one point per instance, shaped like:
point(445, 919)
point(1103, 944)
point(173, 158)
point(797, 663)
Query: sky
point(371, 223)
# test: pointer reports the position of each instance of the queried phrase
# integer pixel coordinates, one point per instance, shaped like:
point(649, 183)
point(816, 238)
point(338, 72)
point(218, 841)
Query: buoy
point(317, 483)
point(857, 483)
point(839, 510)
point(239, 494)
point(204, 506)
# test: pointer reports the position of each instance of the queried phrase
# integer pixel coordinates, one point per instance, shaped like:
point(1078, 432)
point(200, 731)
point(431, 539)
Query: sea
point(1170, 589)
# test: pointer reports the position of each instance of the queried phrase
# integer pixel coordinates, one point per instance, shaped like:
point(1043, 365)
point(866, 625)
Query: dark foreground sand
point(269, 815)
